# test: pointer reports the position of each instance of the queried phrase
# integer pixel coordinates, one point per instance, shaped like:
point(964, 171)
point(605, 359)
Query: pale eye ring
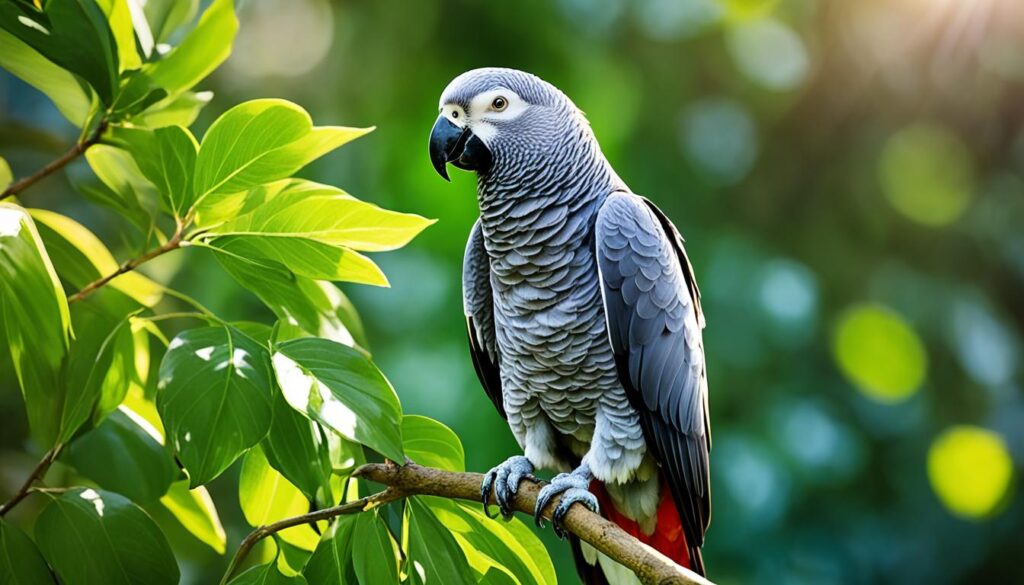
point(499, 104)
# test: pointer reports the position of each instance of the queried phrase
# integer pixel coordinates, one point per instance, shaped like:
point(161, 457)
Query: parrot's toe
point(504, 479)
point(574, 487)
point(569, 497)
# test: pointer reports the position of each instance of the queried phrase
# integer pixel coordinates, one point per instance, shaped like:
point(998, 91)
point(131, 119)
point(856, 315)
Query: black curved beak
point(446, 144)
point(459, 146)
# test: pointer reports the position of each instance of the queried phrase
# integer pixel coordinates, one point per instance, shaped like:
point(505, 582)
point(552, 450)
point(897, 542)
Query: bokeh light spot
point(769, 53)
point(927, 175)
point(970, 470)
point(669, 20)
point(879, 353)
point(308, 26)
point(719, 136)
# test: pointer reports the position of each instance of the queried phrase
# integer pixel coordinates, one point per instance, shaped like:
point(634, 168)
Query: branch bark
point(37, 473)
point(650, 566)
point(74, 152)
point(353, 507)
point(172, 244)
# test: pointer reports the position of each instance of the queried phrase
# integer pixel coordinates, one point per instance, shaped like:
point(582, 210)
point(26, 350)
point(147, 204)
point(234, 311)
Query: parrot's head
point(492, 119)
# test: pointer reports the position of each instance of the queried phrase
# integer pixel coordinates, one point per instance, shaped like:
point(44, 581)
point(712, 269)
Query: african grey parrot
point(584, 319)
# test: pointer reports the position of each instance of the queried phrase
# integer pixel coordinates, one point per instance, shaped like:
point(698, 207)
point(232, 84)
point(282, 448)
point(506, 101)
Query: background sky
point(849, 177)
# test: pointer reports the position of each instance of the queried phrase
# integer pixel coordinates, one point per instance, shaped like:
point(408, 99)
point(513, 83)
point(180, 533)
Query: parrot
point(584, 321)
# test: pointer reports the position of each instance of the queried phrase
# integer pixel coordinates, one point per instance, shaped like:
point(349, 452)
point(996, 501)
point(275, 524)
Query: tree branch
point(172, 244)
point(378, 499)
point(57, 164)
point(37, 473)
point(650, 566)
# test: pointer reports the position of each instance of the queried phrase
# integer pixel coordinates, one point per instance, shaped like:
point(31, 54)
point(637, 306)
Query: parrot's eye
point(455, 113)
point(499, 104)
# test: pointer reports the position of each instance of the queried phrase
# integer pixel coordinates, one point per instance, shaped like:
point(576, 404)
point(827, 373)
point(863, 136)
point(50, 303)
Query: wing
point(478, 303)
point(654, 324)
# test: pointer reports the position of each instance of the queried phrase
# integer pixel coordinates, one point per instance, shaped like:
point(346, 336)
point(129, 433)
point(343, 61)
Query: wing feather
point(478, 303)
point(652, 305)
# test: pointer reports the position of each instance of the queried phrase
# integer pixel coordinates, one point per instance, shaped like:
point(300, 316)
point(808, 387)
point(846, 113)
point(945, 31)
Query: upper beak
point(447, 142)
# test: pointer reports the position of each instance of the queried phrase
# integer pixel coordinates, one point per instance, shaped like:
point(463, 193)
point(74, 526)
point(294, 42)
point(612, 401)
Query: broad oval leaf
point(510, 546)
point(202, 51)
point(35, 316)
point(164, 16)
point(215, 397)
point(340, 388)
point(144, 470)
point(21, 561)
point(260, 141)
point(178, 111)
point(321, 213)
point(57, 83)
point(296, 448)
point(196, 511)
point(332, 562)
point(432, 444)
point(119, 18)
point(376, 561)
point(266, 497)
point(434, 555)
point(267, 575)
point(5, 174)
point(167, 158)
point(93, 536)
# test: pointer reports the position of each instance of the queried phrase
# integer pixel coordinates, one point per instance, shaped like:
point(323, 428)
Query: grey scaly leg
point(505, 480)
point(574, 488)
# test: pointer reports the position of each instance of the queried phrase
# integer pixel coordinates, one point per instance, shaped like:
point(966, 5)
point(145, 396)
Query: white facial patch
point(496, 105)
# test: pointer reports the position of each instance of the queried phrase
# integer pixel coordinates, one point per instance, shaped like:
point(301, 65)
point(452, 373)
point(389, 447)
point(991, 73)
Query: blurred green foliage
point(848, 176)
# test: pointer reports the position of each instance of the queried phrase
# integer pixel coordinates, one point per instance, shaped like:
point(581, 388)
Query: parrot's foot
point(505, 480)
point(574, 488)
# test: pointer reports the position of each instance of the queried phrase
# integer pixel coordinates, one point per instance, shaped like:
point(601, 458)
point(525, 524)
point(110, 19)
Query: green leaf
point(130, 193)
point(22, 564)
point(58, 84)
point(266, 497)
point(267, 575)
point(144, 470)
point(202, 51)
point(119, 18)
point(326, 214)
point(217, 208)
point(165, 16)
point(296, 448)
point(261, 141)
point(180, 110)
point(5, 174)
point(331, 563)
point(377, 558)
point(195, 510)
point(306, 257)
point(432, 444)
point(35, 317)
point(340, 388)
point(510, 546)
point(80, 258)
point(94, 536)
point(167, 158)
point(215, 397)
point(434, 555)
point(320, 308)
point(73, 34)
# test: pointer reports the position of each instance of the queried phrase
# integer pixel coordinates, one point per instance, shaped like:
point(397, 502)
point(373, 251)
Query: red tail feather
point(667, 538)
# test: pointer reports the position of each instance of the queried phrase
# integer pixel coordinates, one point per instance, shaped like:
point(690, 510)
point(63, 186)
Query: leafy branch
point(37, 474)
point(650, 566)
point(60, 162)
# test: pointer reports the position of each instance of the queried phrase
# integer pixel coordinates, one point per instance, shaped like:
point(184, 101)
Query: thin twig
point(378, 499)
point(74, 152)
point(37, 473)
point(172, 244)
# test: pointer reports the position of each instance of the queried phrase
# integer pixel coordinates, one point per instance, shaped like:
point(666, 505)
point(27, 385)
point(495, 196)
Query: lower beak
point(446, 143)
point(451, 144)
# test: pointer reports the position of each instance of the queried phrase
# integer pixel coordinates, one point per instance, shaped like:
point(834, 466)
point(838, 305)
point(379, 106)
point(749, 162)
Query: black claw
point(485, 492)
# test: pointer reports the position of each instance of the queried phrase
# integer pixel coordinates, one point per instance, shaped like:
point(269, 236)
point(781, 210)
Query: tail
point(667, 538)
